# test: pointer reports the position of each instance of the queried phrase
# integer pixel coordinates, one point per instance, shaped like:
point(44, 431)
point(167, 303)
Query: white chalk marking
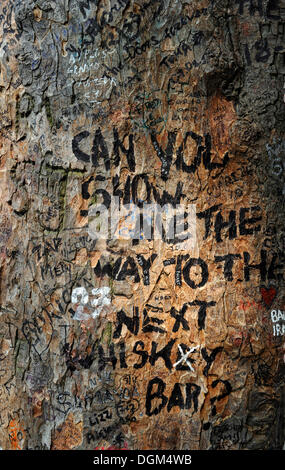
point(184, 357)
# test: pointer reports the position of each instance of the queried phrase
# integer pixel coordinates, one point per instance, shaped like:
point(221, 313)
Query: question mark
point(228, 390)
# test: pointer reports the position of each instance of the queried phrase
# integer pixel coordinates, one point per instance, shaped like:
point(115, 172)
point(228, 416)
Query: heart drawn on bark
point(268, 295)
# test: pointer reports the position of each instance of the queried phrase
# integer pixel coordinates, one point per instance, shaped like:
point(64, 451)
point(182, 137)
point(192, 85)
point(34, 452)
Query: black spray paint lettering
point(231, 224)
point(131, 323)
point(228, 264)
point(165, 156)
point(261, 267)
point(227, 391)
point(104, 359)
point(209, 358)
point(270, 271)
point(180, 319)
point(131, 192)
point(130, 269)
point(109, 269)
point(178, 399)
point(204, 272)
point(146, 265)
point(118, 271)
point(180, 163)
point(140, 352)
point(130, 154)
point(187, 270)
point(100, 151)
point(149, 322)
point(185, 356)
point(75, 360)
point(164, 353)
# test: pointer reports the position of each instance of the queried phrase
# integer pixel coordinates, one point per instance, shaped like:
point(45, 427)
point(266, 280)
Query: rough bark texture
point(160, 101)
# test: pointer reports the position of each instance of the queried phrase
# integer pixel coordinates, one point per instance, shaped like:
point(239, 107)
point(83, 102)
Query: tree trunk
point(137, 339)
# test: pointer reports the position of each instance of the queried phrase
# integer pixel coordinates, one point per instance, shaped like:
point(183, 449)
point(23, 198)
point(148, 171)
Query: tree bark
point(142, 343)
